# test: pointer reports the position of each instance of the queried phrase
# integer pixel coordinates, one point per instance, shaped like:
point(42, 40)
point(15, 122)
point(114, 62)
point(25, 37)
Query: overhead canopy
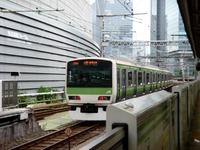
point(190, 11)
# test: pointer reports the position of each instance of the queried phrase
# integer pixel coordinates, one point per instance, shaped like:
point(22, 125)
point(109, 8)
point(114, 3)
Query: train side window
point(135, 77)
point(147, 78)
point(130, 78)
point(150, 77)
point(154, 77)
point(158, 79)
point(118, 83)
point(129, 75)
point(139, 78)
point(118, 77)
point(123, 77)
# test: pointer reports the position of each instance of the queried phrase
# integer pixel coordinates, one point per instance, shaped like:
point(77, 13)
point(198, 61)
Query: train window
point(135, 77)
point(139, 78)
point(154, 77)
point(164, 77)
point(130, 75)
point(147, 78)
point(158, 79)
point(123, 77)
point(118, 83)
point(118, 77)
point(150, 77)
point(89, 73)
point(129, 78)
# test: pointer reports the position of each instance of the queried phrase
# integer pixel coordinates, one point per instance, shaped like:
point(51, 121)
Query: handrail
point(29, 100)
point(44, 93)
point(117, 138)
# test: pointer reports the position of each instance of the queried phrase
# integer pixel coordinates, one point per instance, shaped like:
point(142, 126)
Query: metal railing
point(45, 97)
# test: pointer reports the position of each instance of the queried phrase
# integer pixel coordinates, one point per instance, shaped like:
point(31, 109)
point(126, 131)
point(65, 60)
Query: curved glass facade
point(38, 43)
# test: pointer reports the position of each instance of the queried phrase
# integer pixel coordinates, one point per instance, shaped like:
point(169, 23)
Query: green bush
point(48, 97)
point(23, 101)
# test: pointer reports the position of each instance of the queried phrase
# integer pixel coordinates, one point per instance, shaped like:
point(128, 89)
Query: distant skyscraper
point(158, 29)
point(117, 27)
point(166, 24)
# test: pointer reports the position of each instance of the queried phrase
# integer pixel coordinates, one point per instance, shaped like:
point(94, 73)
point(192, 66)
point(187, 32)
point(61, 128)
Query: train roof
point(124, 61)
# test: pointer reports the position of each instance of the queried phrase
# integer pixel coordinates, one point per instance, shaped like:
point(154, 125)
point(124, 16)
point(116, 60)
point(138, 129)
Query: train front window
point(89, 73)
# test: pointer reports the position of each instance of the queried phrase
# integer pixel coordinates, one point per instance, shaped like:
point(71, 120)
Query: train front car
point(89, 87)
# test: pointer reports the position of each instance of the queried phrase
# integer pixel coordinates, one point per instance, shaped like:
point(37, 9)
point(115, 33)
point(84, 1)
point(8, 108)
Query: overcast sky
point(141, 23)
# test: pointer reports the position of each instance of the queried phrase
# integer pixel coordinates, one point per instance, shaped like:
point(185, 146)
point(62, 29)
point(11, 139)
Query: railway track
point(47, 112)
point(43, 111)
point(80, 132)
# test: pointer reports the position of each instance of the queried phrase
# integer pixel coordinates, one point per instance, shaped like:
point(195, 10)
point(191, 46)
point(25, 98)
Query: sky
point(142, 22)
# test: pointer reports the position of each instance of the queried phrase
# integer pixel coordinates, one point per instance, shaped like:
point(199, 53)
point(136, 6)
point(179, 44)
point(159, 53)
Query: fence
point(35, 98)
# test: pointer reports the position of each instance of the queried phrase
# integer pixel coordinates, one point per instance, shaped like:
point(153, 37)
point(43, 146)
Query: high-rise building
point(166, 24)
point(158, 30)
point(117, 26)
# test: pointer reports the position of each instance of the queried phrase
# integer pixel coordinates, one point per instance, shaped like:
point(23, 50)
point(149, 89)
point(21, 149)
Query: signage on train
point(85, 63)
point(90, 62)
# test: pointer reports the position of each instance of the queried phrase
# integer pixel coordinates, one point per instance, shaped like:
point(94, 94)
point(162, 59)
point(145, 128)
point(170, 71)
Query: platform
point(194, 138)
point(13, 115)
point(55, 121)
point(16, 123)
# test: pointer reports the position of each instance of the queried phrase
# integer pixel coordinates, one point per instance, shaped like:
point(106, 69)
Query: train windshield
point(89, 73)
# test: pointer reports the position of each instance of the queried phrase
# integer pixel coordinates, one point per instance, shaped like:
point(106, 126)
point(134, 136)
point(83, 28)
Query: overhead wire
point(73, 18)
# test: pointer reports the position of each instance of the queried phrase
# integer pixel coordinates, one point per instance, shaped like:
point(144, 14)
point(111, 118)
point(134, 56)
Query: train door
point(123, 86)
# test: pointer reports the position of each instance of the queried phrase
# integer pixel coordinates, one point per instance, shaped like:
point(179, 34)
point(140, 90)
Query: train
point(93, 83)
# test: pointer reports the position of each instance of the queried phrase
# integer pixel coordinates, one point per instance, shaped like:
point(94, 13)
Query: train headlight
point(74, 98)
point(101, 98)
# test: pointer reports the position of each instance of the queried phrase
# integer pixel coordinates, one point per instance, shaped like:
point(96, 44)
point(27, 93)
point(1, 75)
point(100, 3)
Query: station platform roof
point(190, 11)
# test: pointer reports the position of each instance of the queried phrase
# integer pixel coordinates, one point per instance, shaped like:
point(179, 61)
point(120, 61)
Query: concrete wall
point(187, 94)
point(18, 130)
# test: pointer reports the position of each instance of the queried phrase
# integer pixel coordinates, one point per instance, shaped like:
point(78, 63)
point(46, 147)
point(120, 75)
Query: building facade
point(37, 38)
point(167, 24)
point(117, 26)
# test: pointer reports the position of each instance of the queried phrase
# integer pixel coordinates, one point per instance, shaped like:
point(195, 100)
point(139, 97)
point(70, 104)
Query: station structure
point(161, 120)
